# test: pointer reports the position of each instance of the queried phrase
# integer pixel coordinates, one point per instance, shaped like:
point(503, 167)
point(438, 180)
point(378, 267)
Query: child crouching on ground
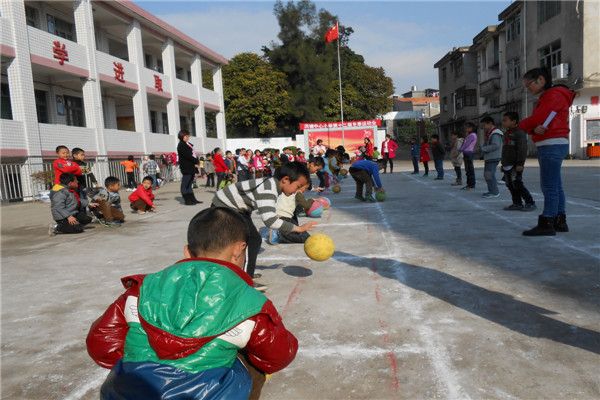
point(364, 172)
point(109, 207)
point(195, 330)
point(68, 209)
point(142, 198)
point(287, 210)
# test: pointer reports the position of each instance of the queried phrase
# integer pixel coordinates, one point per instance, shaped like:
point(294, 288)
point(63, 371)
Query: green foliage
point(407, 129)
point(255, 94)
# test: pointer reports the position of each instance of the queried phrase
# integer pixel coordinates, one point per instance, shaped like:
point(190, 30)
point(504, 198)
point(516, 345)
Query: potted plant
point(44, 179)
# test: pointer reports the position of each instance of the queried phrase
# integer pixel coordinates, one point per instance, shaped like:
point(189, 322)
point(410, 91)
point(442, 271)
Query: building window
point(31, 15)
point(148, 61)
point(547, 10)
point(211, 123)
point(74, 111)
point(159, 65)
point(496, 51)
point(179, 73)
point(444, 74)
point(513, 28)
point(153, 125)
point(513, 73)
point(550, 56)
point(444, 103)
point(469, 98)
point(165, 123)
point(193, 130)
point(61, 28)
point(483, 56)
point(41, 106)
point(183, 123)
point(6, 109)
point(189, 76)
point(458, 67)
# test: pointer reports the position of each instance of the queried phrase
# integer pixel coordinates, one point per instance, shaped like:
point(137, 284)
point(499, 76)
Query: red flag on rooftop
point(332, 34)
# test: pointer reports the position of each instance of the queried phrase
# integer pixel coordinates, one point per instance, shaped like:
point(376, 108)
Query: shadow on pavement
point(297, 271)
point(494, 306)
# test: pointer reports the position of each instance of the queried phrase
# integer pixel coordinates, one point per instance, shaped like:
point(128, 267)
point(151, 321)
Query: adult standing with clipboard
point(548, 126)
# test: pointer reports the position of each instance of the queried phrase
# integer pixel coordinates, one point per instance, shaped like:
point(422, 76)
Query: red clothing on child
point(143, 194)
point(62, 166)
point(425, 152)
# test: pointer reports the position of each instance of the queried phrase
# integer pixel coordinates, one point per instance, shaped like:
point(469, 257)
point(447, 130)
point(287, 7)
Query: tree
point(256, 95)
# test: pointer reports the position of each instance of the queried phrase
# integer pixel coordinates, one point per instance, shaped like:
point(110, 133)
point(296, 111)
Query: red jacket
point(142, 194)
point(62, 166)
point(270, 349)
point(219, 163)
point(558, 99)
point(392, 147)
point(425, 152)
point(369, 149)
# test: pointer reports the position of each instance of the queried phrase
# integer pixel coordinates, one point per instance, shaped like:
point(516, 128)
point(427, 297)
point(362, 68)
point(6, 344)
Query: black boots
point(190, 199)
point(560, 223)
point(545, 227)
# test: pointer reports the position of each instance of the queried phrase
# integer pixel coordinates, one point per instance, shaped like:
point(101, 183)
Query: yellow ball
point(336, 188)
point(319, 247)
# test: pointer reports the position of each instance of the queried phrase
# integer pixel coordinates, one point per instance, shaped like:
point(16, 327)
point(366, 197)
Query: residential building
point(108, 77)
point(428, 106)
point(487, 46)
point(457, 71)
point(414, 92)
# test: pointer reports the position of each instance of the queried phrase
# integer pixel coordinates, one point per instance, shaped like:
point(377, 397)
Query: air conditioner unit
point(561, 71)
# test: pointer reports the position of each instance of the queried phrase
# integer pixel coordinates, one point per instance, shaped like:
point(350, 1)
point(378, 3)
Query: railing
point(32, 179)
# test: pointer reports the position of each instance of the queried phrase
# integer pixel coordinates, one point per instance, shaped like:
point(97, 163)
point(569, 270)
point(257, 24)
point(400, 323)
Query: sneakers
point(370, 199)
point(113, 224)
point(357, 197)
point(514, 207)
point(260, 287)
point(467, 188)
point(456, 183)
point(426, 174)
point(529, 207)
point(52, 229)
point(273, 237)
point(415, 173)
point(490, 195)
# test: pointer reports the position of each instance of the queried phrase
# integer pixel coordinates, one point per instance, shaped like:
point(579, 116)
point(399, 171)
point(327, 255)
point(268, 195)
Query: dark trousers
point(426, 166)
point(362, 179)
point(131, 180)
point(186, 184)
point(518, 191)
point(65, 227)
point(210, 180)
point(220, 178)
point(321, 176)
point(385, 161)
point(469, 170)
point(458, 172)
point(254, 242)
point(439, 167)
point(415, 161)
point(292, 237)
point(243, 175)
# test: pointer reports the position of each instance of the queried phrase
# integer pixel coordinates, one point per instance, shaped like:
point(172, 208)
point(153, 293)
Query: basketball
point(316, 210)
point(336, 189)
point(319, 247)
point(380, 196)
point(343, 172)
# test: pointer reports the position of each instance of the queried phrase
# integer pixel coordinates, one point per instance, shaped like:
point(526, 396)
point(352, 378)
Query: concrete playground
point(431, 294)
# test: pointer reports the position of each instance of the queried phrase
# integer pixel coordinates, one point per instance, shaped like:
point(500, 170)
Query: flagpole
point(340, 82)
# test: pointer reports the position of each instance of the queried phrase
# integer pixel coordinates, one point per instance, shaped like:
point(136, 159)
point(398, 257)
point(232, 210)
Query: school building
point(108, 77)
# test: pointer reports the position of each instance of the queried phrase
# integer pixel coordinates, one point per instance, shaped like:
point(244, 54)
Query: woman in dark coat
point(187, 164)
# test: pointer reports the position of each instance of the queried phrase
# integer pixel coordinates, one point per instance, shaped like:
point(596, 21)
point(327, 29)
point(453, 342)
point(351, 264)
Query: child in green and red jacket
point(195, 330)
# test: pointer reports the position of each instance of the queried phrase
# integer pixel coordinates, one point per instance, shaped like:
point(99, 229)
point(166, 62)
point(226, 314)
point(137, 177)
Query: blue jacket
point(371, 167)
point(415, 150)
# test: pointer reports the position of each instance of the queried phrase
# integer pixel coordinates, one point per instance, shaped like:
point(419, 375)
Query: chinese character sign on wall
point(119, 71)
point(158, 83)
point(60, 52)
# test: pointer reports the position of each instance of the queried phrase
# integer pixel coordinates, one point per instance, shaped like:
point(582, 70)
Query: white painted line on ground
point(349, 224)
point(335, 257)
point(590, 252)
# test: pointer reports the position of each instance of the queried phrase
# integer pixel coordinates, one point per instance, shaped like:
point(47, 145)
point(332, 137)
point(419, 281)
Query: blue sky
point(404, 37)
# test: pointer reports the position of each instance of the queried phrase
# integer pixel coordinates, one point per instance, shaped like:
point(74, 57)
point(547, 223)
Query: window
point(148, 61)
point(496, 50)
point(5, 106)
point(179, 73)
point(159, 65)
point(458, 66)
point(61, 28)
point(211, 123)
point(513, 73)
point(31, 15)
point(483, 56)
point(193, 130)
point(547, 10)
point(444, 103)
point(74, 111)
point(513, 28)
point(444, 74)
point(183, 123)
point(165, 123)
point(550, 56)
point(189, 76)
point(470, 99)
point(153, 125)
point(41, 106)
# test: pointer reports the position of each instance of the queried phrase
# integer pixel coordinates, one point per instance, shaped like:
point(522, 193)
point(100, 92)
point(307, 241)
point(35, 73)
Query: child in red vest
point(142, 198)
point(425, 155)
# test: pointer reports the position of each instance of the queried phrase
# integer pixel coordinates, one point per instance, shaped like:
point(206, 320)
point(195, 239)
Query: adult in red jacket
point(221, 169)
point(369, 149)
point(388, 152)
point(548, 126)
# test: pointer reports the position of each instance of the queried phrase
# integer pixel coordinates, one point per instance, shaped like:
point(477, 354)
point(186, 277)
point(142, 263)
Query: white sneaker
point(52, 229)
